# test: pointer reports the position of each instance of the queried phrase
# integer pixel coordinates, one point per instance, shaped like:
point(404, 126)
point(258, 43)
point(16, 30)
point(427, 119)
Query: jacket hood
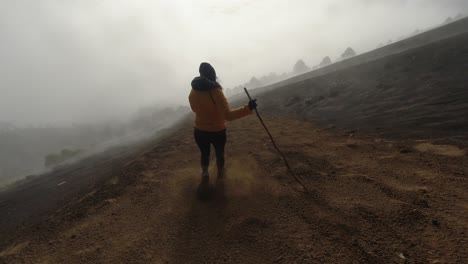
point(207, 71)
point(203, 84)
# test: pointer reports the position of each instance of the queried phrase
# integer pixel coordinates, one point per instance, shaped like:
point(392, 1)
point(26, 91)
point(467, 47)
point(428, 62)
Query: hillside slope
point(370, 202)
point(434, 35)
point(420, 93)
point(27, 203)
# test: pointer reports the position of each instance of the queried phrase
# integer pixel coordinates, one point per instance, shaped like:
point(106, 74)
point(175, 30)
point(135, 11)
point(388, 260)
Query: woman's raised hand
point(253, 104)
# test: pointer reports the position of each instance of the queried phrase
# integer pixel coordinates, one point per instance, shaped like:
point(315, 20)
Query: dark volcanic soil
point(420, 93)
point(370, 202)
point(29, 203)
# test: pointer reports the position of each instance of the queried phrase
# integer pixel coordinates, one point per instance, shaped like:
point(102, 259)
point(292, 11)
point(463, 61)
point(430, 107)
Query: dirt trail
point(372, 201)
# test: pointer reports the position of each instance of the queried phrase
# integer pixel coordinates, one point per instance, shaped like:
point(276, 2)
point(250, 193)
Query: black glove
point(253, 104)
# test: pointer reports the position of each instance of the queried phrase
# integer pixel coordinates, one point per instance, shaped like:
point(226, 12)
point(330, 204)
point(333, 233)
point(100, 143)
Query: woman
point(211, 110)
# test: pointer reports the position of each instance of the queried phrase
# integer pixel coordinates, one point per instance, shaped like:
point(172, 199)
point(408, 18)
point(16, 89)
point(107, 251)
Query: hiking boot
point(205, 177)
point(204, 191)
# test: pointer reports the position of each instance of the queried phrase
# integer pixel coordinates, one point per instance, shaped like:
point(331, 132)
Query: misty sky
point(64, 61)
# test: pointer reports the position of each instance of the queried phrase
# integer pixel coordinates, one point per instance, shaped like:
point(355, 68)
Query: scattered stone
point(309, 101)
point(405, 151)
point(62, 183)
point(422, 190)
point(280, 257)
point(109, 201)
point(401, 255)
point(422, 202)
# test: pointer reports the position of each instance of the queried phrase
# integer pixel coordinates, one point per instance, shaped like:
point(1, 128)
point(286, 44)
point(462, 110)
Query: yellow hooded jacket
point(212, 108)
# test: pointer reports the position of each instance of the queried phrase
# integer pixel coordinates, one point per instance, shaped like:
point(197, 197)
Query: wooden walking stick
point(276, 147)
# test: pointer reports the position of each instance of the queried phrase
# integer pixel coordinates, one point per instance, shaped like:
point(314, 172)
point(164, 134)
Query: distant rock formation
point(254, 83)
point(348, 53)
point(300, 67)
point(448, 20)
point(269, 79)
point(325, 61)
point(257, 82)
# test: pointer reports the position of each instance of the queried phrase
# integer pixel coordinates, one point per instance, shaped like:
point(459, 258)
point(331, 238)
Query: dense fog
point(66, 61)
point(33, 150)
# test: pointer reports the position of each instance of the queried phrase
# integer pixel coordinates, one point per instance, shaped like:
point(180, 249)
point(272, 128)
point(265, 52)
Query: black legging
point(204, 139)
